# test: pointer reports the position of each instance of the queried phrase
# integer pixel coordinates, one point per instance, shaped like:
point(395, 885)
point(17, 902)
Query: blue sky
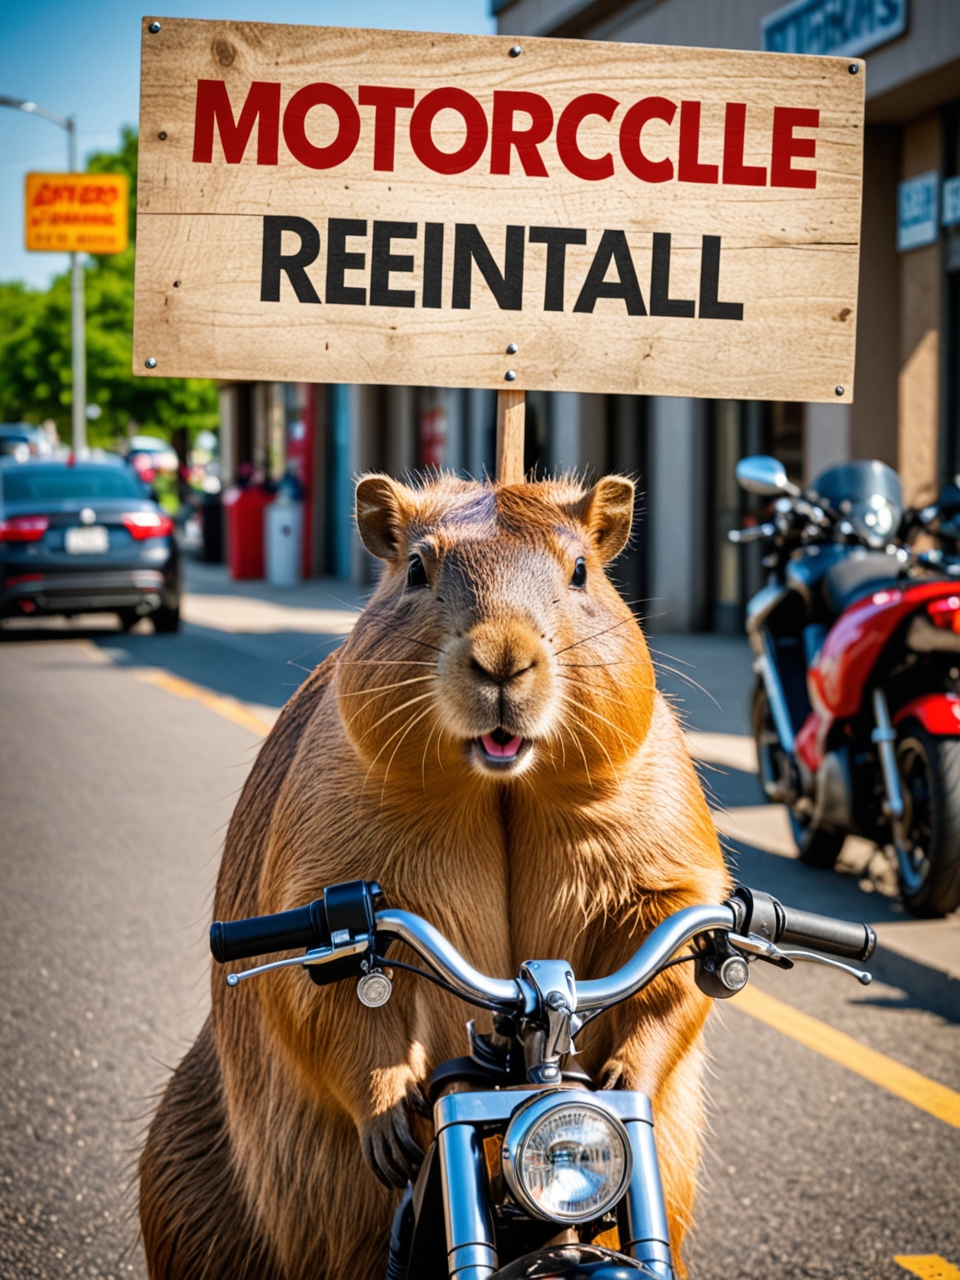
point(82, 57)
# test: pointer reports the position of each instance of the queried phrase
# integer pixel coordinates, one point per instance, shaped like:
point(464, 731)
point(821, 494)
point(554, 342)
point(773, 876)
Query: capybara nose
point(499, 676)
point(503, 651)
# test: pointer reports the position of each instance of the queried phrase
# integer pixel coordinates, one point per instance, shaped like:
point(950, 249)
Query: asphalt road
point(119, 764)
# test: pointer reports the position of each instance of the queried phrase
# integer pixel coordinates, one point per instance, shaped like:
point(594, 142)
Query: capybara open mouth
point(499, 750)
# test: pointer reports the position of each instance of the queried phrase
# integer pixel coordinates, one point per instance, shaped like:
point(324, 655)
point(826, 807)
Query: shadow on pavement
point(257, 668)
point(729, 788)
point(264, 669)
point(832, 893)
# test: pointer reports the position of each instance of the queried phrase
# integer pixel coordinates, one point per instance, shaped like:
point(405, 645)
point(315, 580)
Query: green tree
point(35, 370)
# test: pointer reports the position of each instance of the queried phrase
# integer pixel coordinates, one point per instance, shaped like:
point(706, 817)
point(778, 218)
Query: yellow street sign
point(77, 212)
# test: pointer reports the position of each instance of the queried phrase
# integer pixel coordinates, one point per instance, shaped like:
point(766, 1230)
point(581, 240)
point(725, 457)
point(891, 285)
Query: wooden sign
point(332, 205)
point(76, 212)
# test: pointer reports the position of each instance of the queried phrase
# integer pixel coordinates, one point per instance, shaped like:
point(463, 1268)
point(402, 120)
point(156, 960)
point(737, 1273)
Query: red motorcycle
point(856, 711)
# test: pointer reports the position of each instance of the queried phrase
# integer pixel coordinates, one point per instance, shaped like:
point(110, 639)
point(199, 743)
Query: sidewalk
point(708, 679)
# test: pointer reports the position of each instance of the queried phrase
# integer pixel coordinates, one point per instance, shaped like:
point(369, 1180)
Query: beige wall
point(920, 317)
point(874, 414)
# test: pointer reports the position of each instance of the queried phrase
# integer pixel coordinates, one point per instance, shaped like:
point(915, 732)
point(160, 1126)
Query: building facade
point(680, 569)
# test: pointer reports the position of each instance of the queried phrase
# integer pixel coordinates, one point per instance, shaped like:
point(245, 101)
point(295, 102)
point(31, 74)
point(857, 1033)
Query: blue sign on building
point(918, 215)
point(846, 28)
point(951, 202)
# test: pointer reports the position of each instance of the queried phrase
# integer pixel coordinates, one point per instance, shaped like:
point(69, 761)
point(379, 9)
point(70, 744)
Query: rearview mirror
point(764, 475)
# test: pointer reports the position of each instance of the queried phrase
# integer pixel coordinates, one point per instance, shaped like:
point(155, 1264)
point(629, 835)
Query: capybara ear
point(384, 509)
point(607, 512)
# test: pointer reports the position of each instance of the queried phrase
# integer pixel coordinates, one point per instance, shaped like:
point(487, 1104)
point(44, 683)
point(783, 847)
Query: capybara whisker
point(590, 711)
point(413, 639)
point(415, 720)
point(393, 712)
point(384, 688)
point(596, 635)
point(599, 742)
point(682, 675)
point(386, 662)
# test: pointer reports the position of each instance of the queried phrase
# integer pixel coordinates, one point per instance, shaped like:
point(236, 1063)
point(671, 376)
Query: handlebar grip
point(751, 534)
point(837, 937)
point(763, 914)
point(258, 936)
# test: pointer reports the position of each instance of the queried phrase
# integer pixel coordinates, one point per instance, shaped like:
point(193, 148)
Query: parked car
point(149, 454)
point(85, 538)
point(22, 441)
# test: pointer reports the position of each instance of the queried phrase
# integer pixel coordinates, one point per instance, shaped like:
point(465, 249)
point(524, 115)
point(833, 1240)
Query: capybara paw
point(613, 1075)
point(389, 1147)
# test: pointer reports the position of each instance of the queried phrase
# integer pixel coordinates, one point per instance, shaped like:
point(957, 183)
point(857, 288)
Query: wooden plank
point(511, 419)
point(208, 305)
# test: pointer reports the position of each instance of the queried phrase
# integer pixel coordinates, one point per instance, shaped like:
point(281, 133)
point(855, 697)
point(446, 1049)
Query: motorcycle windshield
point(868, 494)
point(858, 482)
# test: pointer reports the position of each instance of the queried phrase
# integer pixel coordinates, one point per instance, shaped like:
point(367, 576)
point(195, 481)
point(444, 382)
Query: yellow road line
point(928, 1266)
point(936, 1099)
point(228, 708)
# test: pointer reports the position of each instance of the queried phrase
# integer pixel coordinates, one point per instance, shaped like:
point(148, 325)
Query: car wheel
point(165, 620)
point(128, 619)
point(928, 850)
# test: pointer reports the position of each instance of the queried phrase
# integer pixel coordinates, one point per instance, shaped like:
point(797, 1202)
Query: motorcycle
point(856, 642)
point(525, 1147)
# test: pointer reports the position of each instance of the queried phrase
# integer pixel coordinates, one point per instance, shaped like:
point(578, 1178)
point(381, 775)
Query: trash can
point(244, 509)
point(283, 535)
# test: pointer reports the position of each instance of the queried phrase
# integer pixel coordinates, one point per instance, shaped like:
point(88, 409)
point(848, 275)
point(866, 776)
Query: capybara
point(490, 746)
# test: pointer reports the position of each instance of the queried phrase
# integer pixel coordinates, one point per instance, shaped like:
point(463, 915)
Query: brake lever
point(321, 955)
point(785, 959)
point(813, 957)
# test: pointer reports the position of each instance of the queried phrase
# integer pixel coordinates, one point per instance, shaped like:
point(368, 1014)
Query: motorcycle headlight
point(565, 1158)
point(875, 519)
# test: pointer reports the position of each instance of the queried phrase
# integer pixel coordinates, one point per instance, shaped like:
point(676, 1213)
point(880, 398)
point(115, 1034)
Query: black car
point(85, 537)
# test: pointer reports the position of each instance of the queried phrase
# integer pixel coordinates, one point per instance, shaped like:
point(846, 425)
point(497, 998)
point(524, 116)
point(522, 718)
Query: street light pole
point(77, 306)
point(79, 325)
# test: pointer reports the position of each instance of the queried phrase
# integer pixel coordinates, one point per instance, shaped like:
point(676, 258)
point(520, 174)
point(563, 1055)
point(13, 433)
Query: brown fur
point(255, 1163)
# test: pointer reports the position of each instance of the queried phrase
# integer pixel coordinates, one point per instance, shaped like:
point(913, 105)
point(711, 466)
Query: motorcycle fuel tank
point(856, 640)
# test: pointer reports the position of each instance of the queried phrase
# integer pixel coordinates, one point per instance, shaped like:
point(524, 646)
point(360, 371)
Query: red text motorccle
point(517, 127)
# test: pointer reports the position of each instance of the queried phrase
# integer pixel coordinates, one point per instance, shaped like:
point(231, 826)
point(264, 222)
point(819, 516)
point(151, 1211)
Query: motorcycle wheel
point(929, 856)
point(816, 846)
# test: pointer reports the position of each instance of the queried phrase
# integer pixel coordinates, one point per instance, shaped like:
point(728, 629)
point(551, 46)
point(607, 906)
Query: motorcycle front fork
point(471, 1242)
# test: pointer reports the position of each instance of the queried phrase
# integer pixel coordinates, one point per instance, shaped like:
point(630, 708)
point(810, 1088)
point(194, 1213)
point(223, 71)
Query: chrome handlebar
point(544, 980)
point(431, 946)
point(512, 995)
point(668, 937)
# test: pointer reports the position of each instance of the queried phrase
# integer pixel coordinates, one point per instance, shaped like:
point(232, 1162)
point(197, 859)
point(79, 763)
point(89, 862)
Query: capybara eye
point(579, 578)
point(417, 574)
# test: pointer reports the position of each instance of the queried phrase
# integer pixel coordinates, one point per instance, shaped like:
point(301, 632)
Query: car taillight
point(945, 613)
point(23, 528)
point(148, 524)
